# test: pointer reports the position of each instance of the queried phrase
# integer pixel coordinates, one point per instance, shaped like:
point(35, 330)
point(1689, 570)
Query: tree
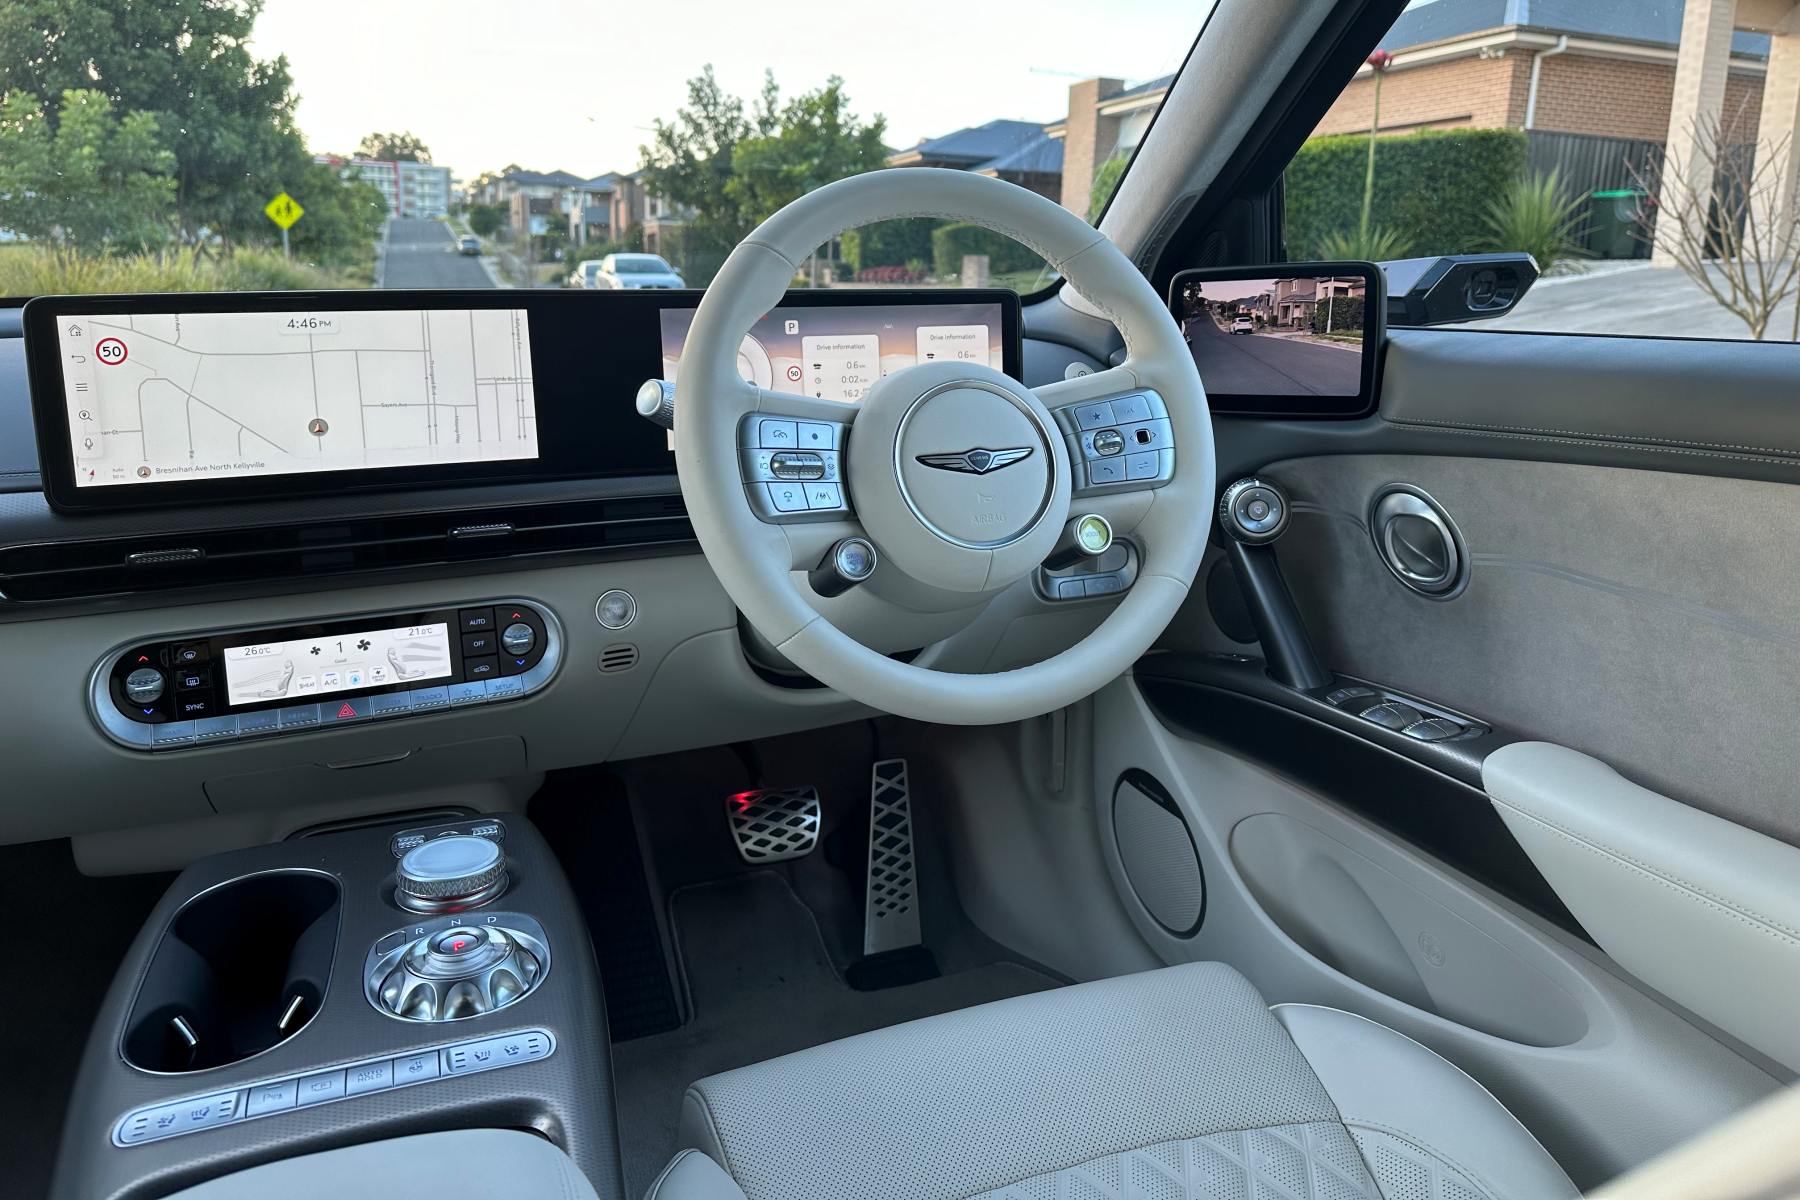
point(394, 147)
point(815, 139)
point(688, 161)
point(344, 214)
point(1729, 223)
point(227, 116)
point(485, 219)
point(1106, 181)
point(82, 176)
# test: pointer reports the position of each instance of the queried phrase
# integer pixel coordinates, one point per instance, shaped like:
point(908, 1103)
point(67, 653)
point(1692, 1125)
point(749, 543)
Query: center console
point(342, 988)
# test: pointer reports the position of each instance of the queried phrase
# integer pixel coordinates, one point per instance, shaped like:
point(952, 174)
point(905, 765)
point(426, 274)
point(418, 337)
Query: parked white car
point(1243, 323)
point(631, 272)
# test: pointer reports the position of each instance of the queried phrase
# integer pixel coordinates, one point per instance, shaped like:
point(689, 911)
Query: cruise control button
point(370, 1077)
point(777, 435)
point(787, 497)
point(824, 496)
point(758, 464)
point(817, 435)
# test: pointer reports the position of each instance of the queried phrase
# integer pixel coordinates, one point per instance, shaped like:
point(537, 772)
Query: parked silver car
point(631, 272)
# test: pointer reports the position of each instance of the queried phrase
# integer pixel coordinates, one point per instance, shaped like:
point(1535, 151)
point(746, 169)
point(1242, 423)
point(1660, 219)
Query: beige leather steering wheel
point(959, 532)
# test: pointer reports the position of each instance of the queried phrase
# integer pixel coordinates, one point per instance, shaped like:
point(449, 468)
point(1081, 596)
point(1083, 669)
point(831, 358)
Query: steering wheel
point(960, 476)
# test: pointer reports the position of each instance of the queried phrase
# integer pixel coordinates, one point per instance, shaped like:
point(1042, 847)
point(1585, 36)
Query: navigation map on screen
point(173, 397)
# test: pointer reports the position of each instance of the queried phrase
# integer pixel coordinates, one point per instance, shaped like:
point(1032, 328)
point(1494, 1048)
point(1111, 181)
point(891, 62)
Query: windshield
point(282, 144)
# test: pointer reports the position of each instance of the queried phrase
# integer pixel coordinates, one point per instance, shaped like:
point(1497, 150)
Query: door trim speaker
point(1162, 870)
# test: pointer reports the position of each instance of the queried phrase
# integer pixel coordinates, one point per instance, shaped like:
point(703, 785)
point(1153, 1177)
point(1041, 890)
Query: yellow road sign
point(284, 210)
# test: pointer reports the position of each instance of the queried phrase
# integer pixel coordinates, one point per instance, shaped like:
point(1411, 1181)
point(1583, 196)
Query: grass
point(27, 270)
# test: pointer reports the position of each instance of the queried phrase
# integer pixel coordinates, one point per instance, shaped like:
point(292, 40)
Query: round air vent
point(1418, 542)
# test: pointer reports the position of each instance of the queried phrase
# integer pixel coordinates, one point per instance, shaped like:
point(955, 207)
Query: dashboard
point(565, 528)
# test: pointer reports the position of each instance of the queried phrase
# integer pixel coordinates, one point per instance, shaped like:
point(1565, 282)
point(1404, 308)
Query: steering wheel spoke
point(791, 457)
point(1117, 432)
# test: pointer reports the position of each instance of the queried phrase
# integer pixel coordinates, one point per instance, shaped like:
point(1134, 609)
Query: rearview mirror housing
point(1456, 287)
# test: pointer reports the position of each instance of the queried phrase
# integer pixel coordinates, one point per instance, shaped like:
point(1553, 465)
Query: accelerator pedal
point(891, 906)
point(773, 825)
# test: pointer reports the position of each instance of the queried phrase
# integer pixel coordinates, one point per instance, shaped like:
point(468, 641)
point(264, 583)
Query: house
point(1627, 70)
point(1020, 152)
point(412, 189)
point(589, 209)
point(634, 205)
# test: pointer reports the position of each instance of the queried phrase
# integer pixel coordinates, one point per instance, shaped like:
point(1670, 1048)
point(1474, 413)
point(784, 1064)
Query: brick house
point(1594, 68)
point(1019, 152)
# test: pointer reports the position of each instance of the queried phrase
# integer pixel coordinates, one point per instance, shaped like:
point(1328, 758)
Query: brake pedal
point(773, 825)
point(891, 906)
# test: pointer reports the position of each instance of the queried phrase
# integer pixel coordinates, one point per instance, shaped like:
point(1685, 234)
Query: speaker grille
point(1157, 852)
point(614, 659)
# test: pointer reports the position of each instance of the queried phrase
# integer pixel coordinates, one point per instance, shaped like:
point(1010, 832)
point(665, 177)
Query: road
point(419, 255)
point(1632, 298)
point(1260, 365)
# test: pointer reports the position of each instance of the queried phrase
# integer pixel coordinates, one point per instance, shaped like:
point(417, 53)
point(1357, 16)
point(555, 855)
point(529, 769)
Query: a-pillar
point(1701, 65)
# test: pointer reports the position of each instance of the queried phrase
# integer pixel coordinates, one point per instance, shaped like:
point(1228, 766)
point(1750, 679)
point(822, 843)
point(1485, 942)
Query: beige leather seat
point(1179, 1083)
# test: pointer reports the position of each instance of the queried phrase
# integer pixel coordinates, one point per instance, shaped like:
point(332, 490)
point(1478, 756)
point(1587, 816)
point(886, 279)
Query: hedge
point(950, 243)
point(1345, 313)
point(890, 243)
point(1431, 186)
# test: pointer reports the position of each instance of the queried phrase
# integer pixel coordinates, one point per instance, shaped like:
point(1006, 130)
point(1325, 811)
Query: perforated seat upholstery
point(1178, 1083)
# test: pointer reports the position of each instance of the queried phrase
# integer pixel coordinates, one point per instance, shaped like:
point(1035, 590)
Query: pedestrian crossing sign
point(284, 210)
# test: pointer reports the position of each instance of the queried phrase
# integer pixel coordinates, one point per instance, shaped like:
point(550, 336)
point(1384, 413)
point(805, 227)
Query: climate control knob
point(449, 874)
point(144, 685)
point(518, 638)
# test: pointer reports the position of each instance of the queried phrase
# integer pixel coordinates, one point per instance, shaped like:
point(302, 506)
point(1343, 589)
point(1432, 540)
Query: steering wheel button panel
point(1119, 444)
point(783, 464)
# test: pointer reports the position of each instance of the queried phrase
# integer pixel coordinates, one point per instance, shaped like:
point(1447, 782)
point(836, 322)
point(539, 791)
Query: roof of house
point(542, 179)
point(1159, 84)
point(601, 183)
point(981, 147)
point(1648, 22)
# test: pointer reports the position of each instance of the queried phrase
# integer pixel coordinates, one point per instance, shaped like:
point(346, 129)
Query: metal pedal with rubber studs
point(772, 825)
point(891, 906)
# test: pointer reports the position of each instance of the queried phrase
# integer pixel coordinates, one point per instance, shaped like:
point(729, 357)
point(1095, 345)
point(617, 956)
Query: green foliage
point(343, 213)
point(688, 160)
point(1106, 182)
point(950, 243)
point(890, 243)
point(38, 271)
point(1431, 189)
point(814, 140)
point(1338, 314)
point(82, 175)
point(394, 147)
point(1535, 214)
point(485, 220)
point(1376, 245)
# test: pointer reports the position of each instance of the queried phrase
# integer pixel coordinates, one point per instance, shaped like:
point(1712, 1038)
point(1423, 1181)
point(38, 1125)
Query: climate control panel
point(204, 688)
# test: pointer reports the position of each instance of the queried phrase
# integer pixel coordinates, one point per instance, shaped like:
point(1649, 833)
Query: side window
point(1643, 153)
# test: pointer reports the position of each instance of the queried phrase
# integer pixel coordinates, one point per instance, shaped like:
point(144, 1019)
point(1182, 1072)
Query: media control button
point(317, 1089)
point(298, 716)
point(475, 644)
point(430, 697)
point(273, 1097)
point(476, 620)
point(480, 668)
point(370, 1077)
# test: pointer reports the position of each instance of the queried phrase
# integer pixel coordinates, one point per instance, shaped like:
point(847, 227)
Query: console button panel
point(205, 689)
point(1118, 444)
point(271, 1097)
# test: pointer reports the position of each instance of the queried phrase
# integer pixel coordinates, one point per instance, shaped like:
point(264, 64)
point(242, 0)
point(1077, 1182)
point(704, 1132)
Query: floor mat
point(762, 985)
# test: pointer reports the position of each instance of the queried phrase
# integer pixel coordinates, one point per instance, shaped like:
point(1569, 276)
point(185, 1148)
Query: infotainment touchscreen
point(340, 662)
point(837, 353)
point(199, 396)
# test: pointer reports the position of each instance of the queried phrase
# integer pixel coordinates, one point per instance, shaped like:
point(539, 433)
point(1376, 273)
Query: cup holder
point(241, 968)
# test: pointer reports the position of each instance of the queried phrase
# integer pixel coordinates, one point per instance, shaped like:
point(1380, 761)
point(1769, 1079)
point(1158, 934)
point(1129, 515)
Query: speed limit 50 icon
point(110, 351)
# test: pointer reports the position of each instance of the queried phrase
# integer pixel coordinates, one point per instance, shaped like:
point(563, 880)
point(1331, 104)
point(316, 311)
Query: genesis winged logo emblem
point(979, 461)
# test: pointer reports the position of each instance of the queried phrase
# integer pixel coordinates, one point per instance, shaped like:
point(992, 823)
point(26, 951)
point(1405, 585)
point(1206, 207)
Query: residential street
point(419, 255)
point(1260, 365)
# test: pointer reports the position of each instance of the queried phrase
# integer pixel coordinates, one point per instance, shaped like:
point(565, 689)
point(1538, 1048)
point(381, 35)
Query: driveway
point(1630, 298)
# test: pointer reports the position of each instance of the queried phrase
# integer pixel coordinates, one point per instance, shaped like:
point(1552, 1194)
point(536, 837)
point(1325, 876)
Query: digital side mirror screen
point(1287, 339)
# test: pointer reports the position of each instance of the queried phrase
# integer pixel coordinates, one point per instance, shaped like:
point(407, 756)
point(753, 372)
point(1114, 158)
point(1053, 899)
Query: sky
point(556, 84)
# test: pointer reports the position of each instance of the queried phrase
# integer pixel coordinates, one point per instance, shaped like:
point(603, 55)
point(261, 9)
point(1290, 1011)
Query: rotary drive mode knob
point(449, 874)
